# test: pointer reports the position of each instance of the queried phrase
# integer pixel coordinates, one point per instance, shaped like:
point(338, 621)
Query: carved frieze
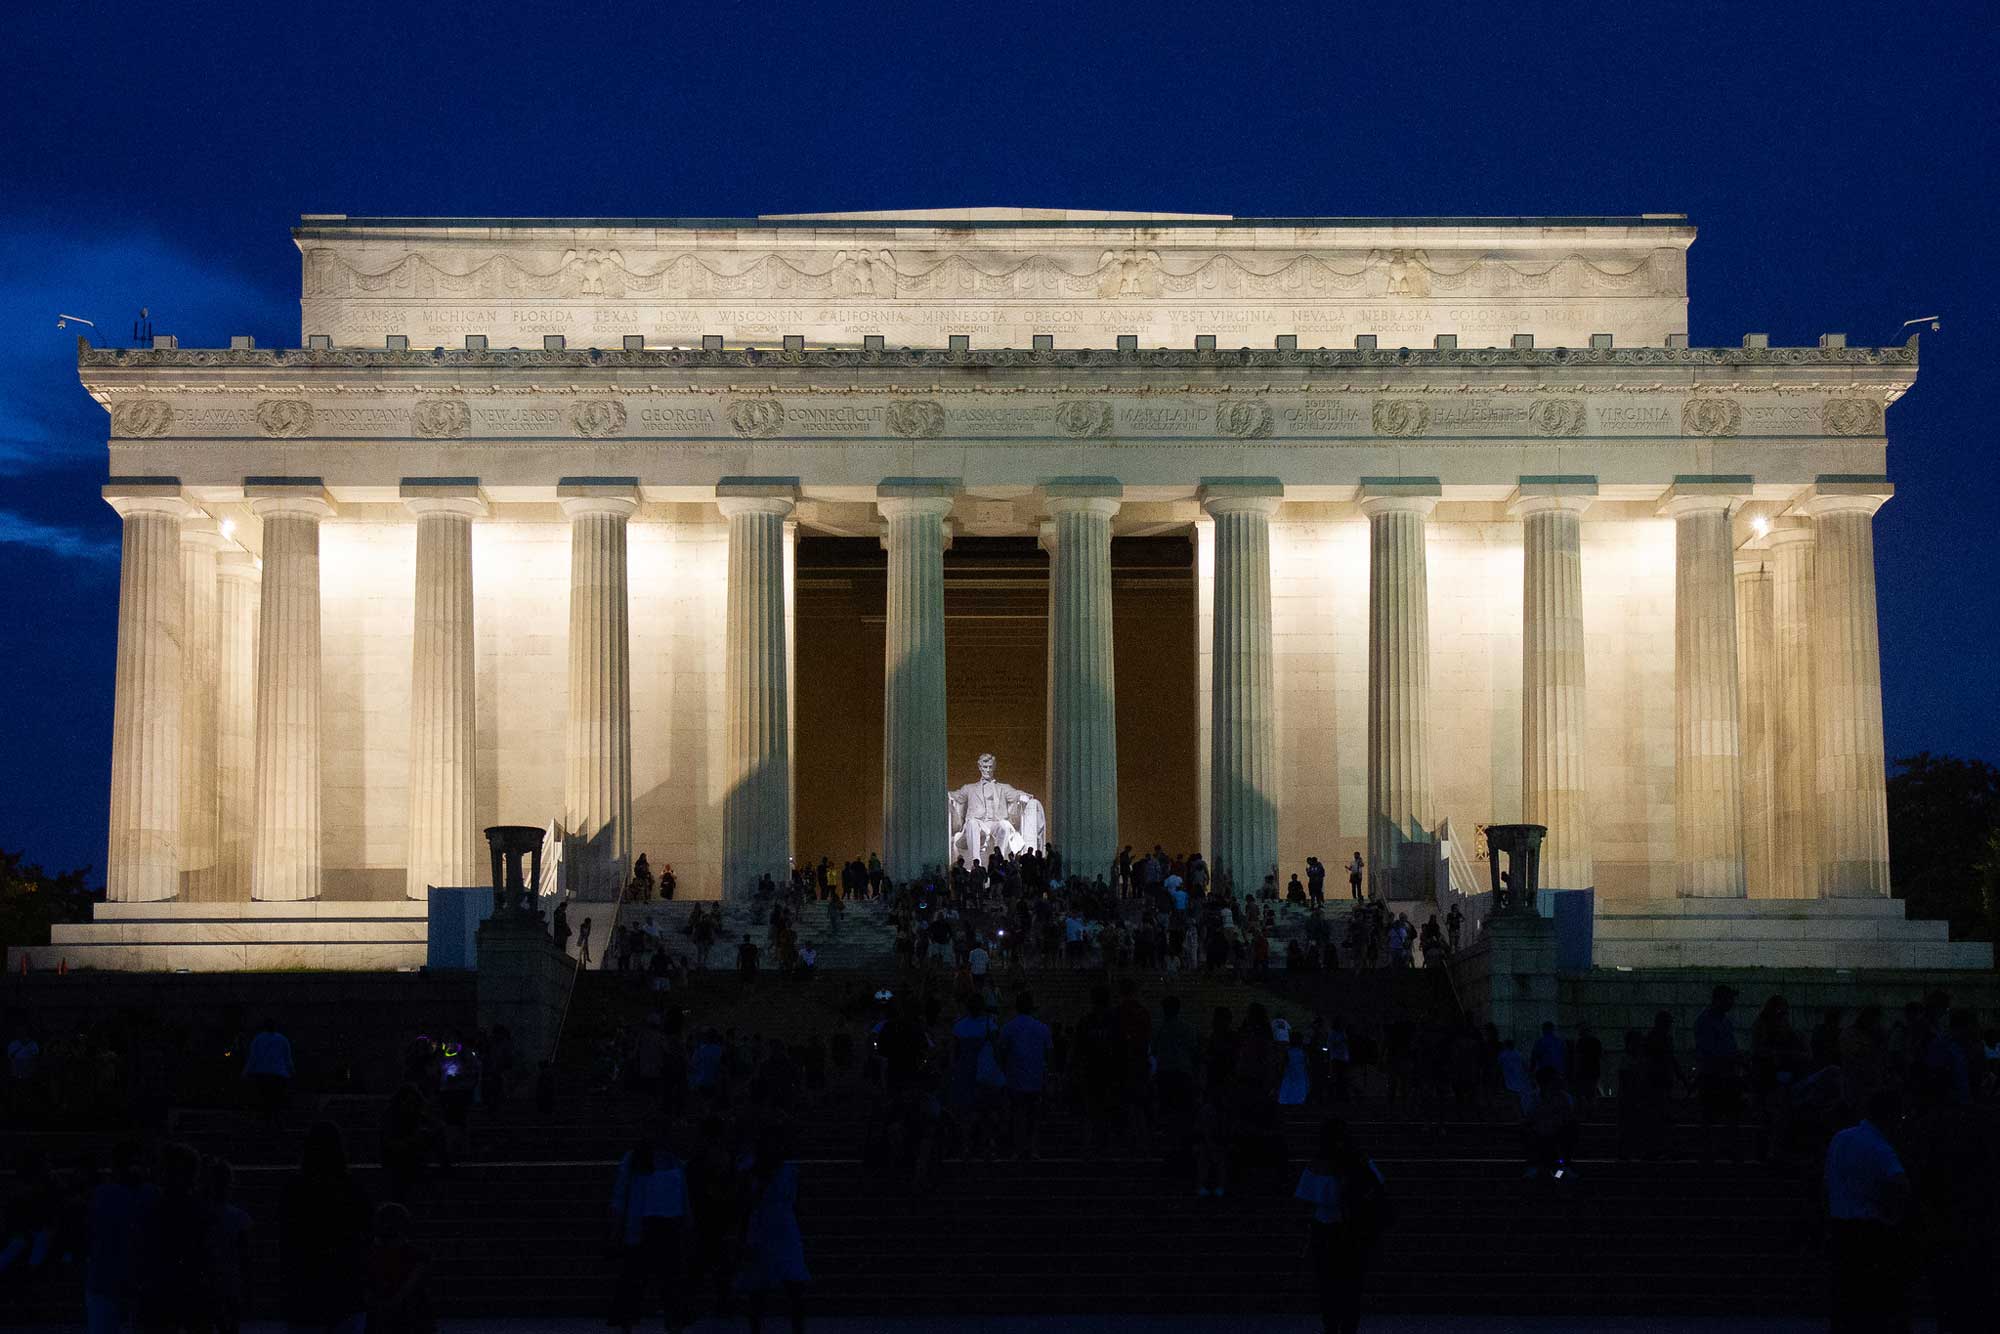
point(1084, 418)
point(1243, 418)
point(1556, 416)
point(1852, 416)
point(916, 418)
point(757, 418)
point(1401, 416)
point(442, 418)
point(284, 418)
point(1711, 416)
point(598, 418)
point(142, 418)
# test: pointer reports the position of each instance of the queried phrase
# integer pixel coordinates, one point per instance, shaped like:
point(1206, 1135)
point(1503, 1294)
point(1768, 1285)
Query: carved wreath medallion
point(1243, 418)
point(1852, 416)
point(283, 418)
point(758, 418)
point(142, 418)
point(1711, 416)
point(1083, 418)
point(1401, 416)
point(917, 418)
point(597, 418)
point(442, 418)
point(1556, 416)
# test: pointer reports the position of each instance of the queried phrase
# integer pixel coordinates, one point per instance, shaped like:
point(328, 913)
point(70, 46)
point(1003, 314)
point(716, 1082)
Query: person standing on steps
point(1350, 1212)
point(583, 944)
point(559, 928)
point(1355, 869)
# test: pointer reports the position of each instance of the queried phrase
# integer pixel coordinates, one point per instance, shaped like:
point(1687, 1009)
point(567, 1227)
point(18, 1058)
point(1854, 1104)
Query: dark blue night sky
point(1838, 160)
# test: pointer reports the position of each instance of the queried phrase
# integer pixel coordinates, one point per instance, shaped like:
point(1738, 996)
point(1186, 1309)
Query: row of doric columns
point(216, 747)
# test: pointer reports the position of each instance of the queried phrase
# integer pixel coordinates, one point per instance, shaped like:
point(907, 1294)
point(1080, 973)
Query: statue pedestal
point(523, 982)
point(1508, 976)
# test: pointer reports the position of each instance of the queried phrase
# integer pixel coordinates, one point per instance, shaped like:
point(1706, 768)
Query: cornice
point(977, 359)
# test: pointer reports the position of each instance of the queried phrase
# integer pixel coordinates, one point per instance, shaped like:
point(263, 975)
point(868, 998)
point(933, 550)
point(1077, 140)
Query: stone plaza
point(1473, 536)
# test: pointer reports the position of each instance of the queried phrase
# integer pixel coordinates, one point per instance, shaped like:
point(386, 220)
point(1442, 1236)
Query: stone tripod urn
point(509, 843)
point(1523, 845)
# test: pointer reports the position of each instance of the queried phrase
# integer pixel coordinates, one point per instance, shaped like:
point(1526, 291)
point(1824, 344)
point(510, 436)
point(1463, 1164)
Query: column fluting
point(201, 541)
point(597, 786)
point(1243, 762)
point(1794, 716)
point(444, 736)
point(756, 811)
point(237, 580)
point(285, 858)
point(1204, 681)
point(915, 822)
point(1708, 759)
point(1847, 674)
point(1083, 779)
point(1554, 714)
point(143, 858)
point(1399, 686)
point(1754, 633)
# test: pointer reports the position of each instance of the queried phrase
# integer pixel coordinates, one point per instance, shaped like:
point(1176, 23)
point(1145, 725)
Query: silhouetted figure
point(398, 1277)
point(1867, 1196)
point(1350, 1211)
point(268, 1067)
point(323, 1239)
point(774, 1259)
point(649, 1210)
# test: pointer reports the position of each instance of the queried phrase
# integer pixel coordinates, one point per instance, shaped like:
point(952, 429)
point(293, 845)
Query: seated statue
point(989, 816)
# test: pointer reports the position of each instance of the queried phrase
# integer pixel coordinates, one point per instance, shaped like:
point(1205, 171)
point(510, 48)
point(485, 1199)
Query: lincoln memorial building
point(738, 541)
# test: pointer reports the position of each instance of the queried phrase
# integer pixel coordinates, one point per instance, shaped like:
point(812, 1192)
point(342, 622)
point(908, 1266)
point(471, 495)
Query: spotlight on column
point(1760, 525)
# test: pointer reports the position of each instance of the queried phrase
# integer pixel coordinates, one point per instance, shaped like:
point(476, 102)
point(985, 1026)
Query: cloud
point(66, 543)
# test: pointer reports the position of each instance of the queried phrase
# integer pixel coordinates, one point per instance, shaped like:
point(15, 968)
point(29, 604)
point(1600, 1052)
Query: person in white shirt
point(649, 1213)
point(977, 959)
point(1867, 1193)
point(1350, 1212)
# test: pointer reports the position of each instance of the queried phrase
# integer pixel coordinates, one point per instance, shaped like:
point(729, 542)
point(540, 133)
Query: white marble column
point(445, 840)
point(1400, 814)
point(1554, 718)
point(237, 590)
point(143, 860)
point(201, 541)
point(1793, 551)
point(285, 857)
point(1243, 759)
point(1847, 675)
point(1083, 780)
point(915, 822)
point(756, 809)
point(1753, 670)
point(1045, 538)
point(597, 787)
point(1708, 760)
point(1204, 680)
point(791, 684)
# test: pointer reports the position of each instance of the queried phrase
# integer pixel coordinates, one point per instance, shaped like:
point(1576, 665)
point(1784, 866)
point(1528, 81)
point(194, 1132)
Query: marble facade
point(1468, 513)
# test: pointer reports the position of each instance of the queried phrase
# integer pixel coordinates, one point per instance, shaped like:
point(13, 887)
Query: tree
point(1944, 841)
point(31, 899)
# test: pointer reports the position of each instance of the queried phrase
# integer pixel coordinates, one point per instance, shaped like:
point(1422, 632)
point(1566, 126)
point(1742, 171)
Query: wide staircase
point(519, 1226)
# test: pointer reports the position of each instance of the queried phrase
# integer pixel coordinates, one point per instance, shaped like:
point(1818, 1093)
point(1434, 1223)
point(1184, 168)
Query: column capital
point(756, 495)
point(1398, 495)
point(1240, 495)
point(202, 531)
point(236, 563)
point(1843, 494)
point(444, 495)
point(1083, 495)
point(898, 496)
point(579, 496)
point(1539, 495)
point(1787, 532)
point(1695, 494)
point(1045, 536)
point(302, 496)
point(147, 495)
point(1751, 566)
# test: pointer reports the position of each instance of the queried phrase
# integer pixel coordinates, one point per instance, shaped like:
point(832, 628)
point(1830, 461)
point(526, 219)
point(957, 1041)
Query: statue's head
point(986, 763)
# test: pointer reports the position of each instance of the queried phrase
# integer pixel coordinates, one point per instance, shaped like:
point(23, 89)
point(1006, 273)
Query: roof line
point(319, 222)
